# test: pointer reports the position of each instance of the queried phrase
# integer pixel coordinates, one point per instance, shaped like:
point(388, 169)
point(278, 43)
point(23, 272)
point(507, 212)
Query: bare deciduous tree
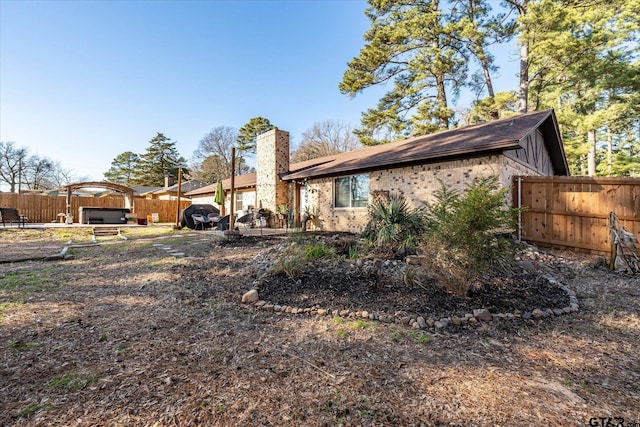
point(324, 139)
point(11, 163)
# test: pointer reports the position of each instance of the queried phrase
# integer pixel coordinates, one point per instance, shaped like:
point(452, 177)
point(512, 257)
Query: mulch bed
point(352, 291)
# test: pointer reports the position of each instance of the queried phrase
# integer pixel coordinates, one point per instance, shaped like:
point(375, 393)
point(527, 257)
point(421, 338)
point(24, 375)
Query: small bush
point(354, 252)
point(468, 235)
point(394, 223)
point(318, 251)
point(297, 257)
point(291, 265)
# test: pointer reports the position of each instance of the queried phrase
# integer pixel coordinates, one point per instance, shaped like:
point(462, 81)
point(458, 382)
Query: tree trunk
point(591, 159)
point(487, 78)
point(524, 77)
point(442, 102)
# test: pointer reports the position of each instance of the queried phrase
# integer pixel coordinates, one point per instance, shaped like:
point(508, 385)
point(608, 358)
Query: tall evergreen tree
point(160, 160)
point(123, 168)
point(248, 133)
point(425, 48)
point(585, 65)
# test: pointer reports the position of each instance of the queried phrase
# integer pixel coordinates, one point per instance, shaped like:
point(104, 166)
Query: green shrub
point(394, 223)
point(468, 235)
point(317, 251)
point(292, 263)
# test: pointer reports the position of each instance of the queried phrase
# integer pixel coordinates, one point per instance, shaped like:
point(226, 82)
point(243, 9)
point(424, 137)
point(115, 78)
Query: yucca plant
point(394, 223)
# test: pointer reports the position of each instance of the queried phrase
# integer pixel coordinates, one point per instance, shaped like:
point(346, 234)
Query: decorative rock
point(456, 321)
point(438, 325)
point(421, 322)
point(473, 320)
point(415, 325)
point(482, 314)
point(558, 312)
point(277, 307)
point(250, 297)
point(526, 265)
point(344, 313)
point(527, 315)
point(574, 308)
point(365, 314)
point(510, 316)
point(538, 314)
point(268, 307)
point(260, 304)
point(288, 309)
point(468, 316)
point(322, 312)
point(566, 310)
point(430, 323)
point(405, 320)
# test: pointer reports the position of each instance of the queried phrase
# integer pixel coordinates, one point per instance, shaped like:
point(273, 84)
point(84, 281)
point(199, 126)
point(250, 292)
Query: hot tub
point(99, 215)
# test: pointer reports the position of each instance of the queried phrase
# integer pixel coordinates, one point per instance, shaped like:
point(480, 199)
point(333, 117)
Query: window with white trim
point(239, 204)
point(351, 191)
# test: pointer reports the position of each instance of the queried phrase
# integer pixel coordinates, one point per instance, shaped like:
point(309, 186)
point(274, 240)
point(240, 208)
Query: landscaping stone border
point(480, 315)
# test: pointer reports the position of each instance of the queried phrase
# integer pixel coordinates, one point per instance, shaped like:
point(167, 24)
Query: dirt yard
point(151, 332)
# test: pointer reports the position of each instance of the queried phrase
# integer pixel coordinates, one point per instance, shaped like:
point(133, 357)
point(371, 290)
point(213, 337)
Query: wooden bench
point(11, 215)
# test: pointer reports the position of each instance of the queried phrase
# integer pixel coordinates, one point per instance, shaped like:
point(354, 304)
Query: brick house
point(338, 187)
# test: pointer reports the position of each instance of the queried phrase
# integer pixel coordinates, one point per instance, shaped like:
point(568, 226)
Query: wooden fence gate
point(573, 212)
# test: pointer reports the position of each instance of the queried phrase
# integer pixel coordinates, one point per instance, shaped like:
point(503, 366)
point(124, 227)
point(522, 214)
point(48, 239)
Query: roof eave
point(406, 161)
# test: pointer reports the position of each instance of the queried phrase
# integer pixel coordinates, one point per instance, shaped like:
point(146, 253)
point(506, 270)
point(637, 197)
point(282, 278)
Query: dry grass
point(126, 334)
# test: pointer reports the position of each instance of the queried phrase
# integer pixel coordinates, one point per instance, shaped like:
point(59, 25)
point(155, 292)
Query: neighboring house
point(339, 187)
point(245, 193)
point(171, 192)
point(142, 190)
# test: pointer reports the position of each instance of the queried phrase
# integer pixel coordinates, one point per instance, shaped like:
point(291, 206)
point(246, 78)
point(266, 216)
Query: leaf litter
point(162, 340)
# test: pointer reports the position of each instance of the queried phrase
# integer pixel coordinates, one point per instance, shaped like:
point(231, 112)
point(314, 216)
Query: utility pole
point(177, 226)
point(233, 180)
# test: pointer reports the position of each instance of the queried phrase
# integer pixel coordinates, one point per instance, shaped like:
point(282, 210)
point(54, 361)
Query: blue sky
point(83, 81)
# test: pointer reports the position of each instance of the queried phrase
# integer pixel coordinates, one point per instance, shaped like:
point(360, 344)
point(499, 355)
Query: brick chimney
point(272, 158)
point(169, 180)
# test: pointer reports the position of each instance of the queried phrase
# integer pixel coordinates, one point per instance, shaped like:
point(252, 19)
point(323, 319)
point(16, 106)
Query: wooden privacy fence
point(41, 209)
point(573, 212)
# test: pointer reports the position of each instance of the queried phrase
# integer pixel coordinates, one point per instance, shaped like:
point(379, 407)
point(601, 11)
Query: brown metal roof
point(494, 136)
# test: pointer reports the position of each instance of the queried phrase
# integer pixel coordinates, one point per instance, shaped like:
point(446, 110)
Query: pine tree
point(249, 132)
point(123, 168)
point(585, 66)
point(160, 160)
point(411, 44)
